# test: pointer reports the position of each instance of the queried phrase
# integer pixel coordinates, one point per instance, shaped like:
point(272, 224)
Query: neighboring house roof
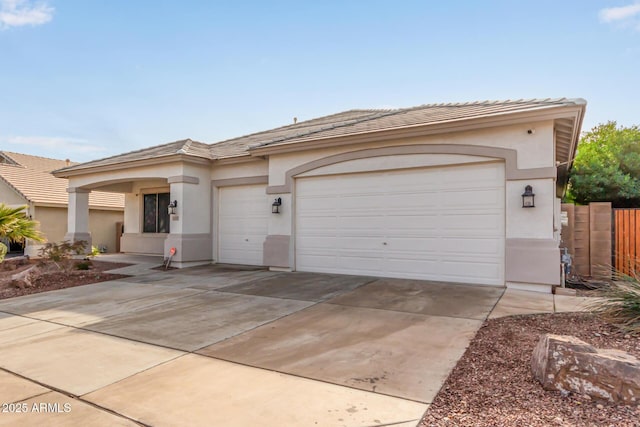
point(30, 176)
point(353, 123)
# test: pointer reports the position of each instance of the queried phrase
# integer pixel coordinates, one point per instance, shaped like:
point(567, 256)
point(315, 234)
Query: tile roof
point(352, 122)
point(426, 115)
point(31, 177)
point(184, 146)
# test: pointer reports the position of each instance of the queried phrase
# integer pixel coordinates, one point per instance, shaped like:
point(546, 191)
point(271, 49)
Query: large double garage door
point(440, 223)
point(437, 223)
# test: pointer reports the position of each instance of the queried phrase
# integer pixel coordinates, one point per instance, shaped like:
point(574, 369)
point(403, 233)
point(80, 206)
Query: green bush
point(3, 251)
point(620, 303)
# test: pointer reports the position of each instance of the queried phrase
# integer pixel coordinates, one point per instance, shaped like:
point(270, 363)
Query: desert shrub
point(620, 302)
point(95, 251)
point(59, 252)
point(83, 265)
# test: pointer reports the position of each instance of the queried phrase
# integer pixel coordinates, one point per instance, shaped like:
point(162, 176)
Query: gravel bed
point(492, 384)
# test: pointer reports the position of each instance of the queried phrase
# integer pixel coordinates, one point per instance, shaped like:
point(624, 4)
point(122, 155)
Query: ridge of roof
point(9, 153)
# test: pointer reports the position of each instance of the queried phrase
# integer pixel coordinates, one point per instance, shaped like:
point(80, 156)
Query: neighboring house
point(430, 192)
point(27, 180)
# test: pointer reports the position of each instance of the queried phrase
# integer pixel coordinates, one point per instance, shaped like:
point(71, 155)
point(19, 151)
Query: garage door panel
point(476, 198)
point(319, 222)
point(444, 223)
point(412, 246)
point(483, 224)
point(361, 223)
point(417, 200)
point(472, 247)
point(242, 224)
point(409, 223)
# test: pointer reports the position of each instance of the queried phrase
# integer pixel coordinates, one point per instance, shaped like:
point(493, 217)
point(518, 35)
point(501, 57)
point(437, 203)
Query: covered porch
point(167, 205)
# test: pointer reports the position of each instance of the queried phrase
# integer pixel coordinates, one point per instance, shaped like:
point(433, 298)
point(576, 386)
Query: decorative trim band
point(183, 179)
point(262, 179)
point(508, 155)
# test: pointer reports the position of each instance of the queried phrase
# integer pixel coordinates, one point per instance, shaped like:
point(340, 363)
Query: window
point(156, 214)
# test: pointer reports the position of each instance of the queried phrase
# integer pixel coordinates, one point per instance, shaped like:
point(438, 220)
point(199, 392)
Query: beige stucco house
point(430, 192)
point(27, 181)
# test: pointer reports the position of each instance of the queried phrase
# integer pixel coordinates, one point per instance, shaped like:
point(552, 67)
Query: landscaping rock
point(568, 364)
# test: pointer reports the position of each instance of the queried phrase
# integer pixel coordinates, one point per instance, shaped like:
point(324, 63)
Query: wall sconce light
point(172, 207)
point(275, 207)
point(528, 198)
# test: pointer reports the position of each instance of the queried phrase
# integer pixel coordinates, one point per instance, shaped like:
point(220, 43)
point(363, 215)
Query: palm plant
point(16, 227)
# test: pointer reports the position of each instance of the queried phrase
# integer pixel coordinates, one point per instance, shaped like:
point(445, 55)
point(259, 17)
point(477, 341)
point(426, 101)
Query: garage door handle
point(246, 240)
point(384, 243)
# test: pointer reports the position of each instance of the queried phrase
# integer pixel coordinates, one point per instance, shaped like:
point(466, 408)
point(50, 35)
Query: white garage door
point(444, 223)
point(243, 213)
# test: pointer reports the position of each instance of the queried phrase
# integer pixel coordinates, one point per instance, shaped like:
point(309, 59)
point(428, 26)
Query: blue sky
point(89, 79)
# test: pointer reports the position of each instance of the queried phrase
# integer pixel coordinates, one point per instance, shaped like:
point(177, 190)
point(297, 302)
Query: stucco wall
point(102, 226)
point(534, 150)
point(9, 196)
point(240, 170)
point(53, 224)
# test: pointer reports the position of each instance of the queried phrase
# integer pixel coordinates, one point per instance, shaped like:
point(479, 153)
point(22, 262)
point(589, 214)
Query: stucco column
point(190, 226)
point(78, 216)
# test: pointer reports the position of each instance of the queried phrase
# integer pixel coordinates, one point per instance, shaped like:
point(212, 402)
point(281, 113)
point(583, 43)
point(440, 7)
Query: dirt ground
point(51, 277)
point(492, 385)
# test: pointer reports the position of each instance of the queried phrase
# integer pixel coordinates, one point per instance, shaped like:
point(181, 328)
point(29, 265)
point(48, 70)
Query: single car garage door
point(243, 215)
point(440, 223)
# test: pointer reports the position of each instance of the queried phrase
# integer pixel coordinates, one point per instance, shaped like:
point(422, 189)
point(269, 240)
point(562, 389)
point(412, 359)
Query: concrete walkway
point(515, 302)
point(236, 347)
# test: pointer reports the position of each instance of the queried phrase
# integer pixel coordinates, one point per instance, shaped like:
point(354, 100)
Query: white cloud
point(61, 145)
point(612, 14)
point(16, 13)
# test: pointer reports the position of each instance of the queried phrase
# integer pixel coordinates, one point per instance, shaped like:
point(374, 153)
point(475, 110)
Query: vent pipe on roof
point(295, 120)
point(67, 162)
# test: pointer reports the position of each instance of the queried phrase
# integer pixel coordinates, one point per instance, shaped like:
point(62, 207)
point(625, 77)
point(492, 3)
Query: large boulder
point(568, 364)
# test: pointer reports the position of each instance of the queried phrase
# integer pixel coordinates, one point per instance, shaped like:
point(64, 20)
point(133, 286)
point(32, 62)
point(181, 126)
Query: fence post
point(600, 239)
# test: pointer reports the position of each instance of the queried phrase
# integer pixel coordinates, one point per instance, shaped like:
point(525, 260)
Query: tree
point(16, 227)
point(607, 166)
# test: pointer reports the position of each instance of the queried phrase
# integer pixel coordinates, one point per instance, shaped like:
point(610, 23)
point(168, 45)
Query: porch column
point(191, 224)
point(78, 216)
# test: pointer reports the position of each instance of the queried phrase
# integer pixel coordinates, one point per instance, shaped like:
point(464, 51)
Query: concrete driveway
point(234, 347)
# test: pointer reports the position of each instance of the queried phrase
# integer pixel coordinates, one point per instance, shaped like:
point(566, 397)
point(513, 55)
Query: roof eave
point(14, 188)
point(130, 164)
point(456, 125)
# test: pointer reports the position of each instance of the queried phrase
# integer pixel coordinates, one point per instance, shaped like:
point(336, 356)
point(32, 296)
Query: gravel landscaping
point(51, 277)
point(492, 385)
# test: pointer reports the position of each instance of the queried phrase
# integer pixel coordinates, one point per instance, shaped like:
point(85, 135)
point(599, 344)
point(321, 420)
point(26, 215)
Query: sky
point(86, 79)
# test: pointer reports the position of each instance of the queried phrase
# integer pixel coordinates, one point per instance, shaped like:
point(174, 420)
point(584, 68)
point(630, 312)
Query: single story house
point(27, 181)
point(430, 192)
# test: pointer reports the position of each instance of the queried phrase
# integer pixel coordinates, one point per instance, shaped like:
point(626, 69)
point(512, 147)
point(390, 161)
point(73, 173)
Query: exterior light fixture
point(172, 207)
point(528, 198)
point(275, 206)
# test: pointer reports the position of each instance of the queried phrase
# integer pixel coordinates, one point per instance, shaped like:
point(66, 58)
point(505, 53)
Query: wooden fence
point(586, 233)
point(626, 239)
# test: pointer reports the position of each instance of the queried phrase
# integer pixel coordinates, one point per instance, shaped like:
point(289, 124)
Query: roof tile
point(31, 177)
